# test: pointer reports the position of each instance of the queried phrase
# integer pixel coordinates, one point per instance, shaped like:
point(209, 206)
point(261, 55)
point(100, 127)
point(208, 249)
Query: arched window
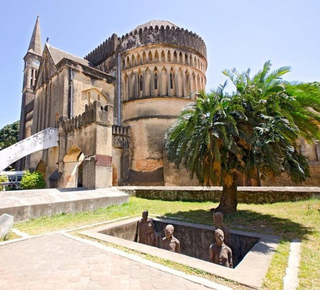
point(140, 82)
point(163, 58)
point(150, 56)
point(156, 56)
point(171, 80)
point(175, 56)
point(169, 56)
point(144, 57)
point(138, 59)
point(155, 80)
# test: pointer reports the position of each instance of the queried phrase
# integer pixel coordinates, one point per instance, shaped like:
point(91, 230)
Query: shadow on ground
point(249, 221)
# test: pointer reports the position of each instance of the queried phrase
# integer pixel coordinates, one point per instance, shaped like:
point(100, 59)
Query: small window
point(171, 80)
point(141, 83)
point(155, 81)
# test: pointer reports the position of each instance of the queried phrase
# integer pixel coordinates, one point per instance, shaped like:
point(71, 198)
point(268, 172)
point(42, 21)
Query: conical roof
point(158, 23)
point(35, 42)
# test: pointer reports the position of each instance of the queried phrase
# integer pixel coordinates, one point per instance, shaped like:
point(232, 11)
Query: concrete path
point(27, 204)
point(60, 261)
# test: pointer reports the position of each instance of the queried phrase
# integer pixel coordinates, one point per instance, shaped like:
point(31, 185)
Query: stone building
point(112, 107)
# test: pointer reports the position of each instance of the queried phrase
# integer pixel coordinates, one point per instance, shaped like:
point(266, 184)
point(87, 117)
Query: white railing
point(42, 140)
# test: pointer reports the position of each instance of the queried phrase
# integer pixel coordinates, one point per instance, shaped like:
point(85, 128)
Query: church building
point(112, 107)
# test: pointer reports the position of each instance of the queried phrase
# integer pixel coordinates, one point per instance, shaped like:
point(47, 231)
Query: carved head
point(219, 236)
point(145, 215)
point(168, 231)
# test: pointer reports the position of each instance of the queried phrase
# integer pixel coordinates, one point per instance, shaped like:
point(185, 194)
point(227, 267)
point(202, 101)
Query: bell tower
point(31, 65)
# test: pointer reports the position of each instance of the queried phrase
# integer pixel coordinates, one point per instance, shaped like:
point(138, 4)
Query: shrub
point(3, 178)
point(32, 180)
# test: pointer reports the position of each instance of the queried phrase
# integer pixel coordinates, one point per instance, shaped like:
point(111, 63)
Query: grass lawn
point(290, 220)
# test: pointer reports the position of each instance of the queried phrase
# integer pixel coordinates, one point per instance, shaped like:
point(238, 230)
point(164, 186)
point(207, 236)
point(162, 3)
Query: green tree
point(252, 132)
point(9, 135)
point(32, 180)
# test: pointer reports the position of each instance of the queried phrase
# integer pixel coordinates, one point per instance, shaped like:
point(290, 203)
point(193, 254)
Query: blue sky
point(242, 34)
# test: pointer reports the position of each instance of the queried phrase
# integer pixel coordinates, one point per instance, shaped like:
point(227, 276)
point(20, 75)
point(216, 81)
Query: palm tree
point(253, 132)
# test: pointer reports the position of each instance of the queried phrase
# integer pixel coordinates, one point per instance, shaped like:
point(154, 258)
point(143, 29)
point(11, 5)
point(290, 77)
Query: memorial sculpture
point(169, 242)
point(152, 237)
point(142, 227)
point(220, 253)
point(218, 222)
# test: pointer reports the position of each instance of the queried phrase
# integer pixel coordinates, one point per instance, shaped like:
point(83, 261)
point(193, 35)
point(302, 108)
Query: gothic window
point(133, 60)
point(171, 80)
point(144, 57)
point(186, 59)
point(140, 82)
point(156, 56)
point(150, 56)
point(163, 58)
point(180, 57)
point(169, 56)
point(138, 59)
point(128, 61)
point(175, 56)
point(31, 78)
point(155, 80)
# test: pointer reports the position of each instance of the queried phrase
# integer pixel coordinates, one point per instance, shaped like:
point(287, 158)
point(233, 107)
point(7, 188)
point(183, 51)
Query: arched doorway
point(73, 169)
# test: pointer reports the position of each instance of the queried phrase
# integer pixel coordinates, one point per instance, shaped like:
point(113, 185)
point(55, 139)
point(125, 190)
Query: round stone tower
point(162, 69)
point(159, 69)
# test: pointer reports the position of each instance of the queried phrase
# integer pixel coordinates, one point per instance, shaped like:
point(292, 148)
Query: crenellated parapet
point(94, 113)
point(104, 50)
point(163, 35)
point(147, 35)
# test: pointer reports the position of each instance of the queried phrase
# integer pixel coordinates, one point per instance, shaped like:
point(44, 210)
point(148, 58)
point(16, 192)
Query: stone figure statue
point(220, 253)
point(169, 242)
point(142, 227)
point(218, 222)
point(152, 237)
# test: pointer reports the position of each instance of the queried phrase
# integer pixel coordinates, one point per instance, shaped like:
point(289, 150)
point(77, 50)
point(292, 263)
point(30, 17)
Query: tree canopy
point(9, 135)
point(252, 132)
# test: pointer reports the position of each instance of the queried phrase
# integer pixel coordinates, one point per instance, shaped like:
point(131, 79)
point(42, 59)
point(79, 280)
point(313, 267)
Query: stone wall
point(256, 195)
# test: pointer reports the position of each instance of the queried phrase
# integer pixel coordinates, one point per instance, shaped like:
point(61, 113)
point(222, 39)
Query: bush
point(32, 180)
point(3, 178)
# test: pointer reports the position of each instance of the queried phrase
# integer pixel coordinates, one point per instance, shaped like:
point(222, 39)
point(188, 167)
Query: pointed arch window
point(171, 80)
point(140, 82)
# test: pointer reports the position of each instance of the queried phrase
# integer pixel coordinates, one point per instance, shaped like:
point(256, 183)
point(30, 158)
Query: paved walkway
point(60, 261)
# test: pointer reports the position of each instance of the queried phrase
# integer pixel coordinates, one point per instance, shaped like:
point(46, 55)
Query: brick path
point(57, 261)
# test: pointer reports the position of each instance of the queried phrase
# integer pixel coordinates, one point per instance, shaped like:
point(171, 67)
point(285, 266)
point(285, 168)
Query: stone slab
point(27, 204)
point(290, 280)
point(6, 222)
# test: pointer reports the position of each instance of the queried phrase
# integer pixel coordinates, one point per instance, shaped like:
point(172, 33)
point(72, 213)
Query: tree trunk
point(228, 201)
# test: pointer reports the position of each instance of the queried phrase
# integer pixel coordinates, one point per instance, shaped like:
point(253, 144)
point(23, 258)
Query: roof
point(158, 23)
point(35, 42)
point(58, 55)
